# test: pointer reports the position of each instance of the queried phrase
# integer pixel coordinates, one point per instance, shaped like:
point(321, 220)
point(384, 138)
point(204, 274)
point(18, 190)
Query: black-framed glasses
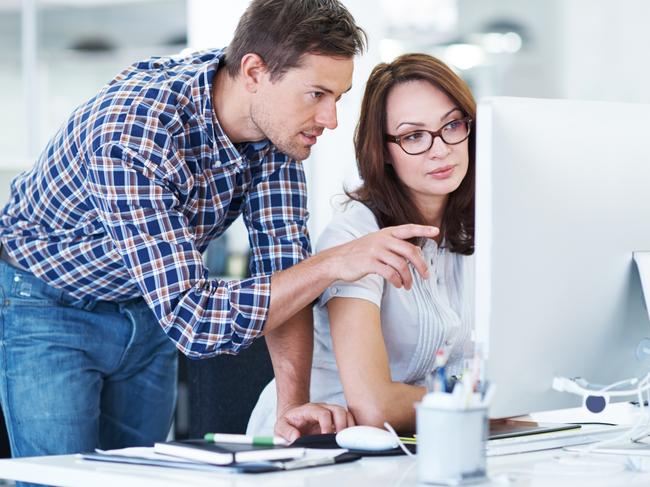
point(420, 141)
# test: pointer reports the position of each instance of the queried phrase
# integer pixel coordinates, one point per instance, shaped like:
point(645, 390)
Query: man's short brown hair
point(282, 31)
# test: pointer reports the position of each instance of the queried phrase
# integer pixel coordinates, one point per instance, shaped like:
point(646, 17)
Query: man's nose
point(326, 115)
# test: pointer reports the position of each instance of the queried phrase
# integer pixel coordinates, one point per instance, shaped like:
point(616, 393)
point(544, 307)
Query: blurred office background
point(54, 54)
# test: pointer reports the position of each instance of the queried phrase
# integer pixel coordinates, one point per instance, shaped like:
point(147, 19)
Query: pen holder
point(451, 444)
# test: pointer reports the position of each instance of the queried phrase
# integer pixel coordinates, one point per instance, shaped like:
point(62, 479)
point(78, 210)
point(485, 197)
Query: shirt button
point(335, 290)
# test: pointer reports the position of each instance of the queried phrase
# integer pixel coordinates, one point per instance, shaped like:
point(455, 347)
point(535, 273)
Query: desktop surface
point(553, 468)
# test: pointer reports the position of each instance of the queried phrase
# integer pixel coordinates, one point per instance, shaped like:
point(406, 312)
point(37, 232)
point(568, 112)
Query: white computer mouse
point(366, 438)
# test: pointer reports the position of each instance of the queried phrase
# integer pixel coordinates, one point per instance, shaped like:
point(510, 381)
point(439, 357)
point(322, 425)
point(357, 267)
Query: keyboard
point(557, 439)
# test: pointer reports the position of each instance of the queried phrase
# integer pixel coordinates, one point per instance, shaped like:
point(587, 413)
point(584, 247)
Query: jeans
point(76, 375)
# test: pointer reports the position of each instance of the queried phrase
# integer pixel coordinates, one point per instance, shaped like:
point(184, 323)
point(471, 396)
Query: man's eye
point(316, 94)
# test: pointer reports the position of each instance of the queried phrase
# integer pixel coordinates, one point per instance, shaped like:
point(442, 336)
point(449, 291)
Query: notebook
point(226, 453)
point(146, 456)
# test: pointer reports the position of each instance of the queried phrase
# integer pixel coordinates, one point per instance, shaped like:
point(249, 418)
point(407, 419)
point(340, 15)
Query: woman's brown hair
point(382, 191)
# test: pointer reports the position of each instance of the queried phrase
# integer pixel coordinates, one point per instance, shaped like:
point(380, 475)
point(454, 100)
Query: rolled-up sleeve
point(142, 213)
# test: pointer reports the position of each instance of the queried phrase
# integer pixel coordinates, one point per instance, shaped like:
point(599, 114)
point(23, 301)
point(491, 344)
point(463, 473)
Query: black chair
point(222, 391)
point(5, 451)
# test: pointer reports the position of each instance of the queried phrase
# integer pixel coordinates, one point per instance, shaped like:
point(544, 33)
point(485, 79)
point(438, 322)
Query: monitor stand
point(642, 260)
point(513, 427)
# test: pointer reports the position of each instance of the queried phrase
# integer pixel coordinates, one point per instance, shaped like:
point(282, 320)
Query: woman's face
point(432, 175)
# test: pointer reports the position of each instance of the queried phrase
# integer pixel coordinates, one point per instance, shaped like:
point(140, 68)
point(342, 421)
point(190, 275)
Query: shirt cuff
point(342, 289)
point(250, 300)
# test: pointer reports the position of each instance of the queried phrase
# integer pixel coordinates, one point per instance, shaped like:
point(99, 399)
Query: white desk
point(529, 470)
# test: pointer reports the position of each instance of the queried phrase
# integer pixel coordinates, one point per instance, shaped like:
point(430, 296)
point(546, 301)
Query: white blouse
point(414, 323)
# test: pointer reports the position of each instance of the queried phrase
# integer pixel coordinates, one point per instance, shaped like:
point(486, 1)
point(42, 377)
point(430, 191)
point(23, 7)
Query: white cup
point(451, 444)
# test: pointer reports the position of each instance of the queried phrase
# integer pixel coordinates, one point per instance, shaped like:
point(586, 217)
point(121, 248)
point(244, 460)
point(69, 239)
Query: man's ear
point(253, 71)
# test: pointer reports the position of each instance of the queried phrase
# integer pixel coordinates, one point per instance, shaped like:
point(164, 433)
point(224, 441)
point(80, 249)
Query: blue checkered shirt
point(131, 190)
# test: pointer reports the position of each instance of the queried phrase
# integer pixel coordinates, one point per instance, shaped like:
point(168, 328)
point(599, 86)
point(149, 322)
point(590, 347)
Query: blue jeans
point(76, 375)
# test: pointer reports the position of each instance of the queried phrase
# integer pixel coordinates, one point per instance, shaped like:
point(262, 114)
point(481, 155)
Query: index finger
point(411, 253)
point(411, 230)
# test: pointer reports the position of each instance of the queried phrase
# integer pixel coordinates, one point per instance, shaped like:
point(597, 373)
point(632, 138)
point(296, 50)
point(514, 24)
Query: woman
point(376, 343)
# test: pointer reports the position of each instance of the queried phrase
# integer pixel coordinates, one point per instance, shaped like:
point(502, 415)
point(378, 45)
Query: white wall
point(332, 164)
point(605, 50)
point(531, 72)
point(212, 24)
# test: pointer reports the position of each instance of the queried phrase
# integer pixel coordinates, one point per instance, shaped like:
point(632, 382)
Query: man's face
point(294, 110)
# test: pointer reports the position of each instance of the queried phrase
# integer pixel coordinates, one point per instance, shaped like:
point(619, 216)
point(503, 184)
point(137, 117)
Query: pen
point(246, 439)
point(315, 462)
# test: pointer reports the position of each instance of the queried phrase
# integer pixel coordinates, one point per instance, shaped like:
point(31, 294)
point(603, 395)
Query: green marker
point(246, 439)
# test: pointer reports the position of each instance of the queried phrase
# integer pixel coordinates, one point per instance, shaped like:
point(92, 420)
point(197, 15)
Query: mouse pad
point(329, 441)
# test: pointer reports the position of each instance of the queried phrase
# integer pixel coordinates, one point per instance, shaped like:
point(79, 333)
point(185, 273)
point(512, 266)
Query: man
point(102, 239)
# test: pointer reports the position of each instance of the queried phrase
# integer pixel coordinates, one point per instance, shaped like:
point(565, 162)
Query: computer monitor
point(562, 202)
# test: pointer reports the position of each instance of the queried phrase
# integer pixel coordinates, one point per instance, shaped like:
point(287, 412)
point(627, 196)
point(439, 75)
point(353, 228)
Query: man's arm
point(290, 347)
point(289, 326)
point(385, 252)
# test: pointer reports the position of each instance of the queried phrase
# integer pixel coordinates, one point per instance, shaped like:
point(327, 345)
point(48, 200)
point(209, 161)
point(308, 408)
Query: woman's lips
point(442, 172)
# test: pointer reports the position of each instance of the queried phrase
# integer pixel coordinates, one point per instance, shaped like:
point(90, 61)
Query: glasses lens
point(416, 142)
point(455, 131)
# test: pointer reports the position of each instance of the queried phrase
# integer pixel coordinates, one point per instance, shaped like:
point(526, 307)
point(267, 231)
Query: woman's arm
point(372, 396)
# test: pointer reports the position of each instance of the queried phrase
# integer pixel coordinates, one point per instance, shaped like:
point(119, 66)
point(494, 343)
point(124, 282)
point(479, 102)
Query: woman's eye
point(455, 125)
point(414, 136)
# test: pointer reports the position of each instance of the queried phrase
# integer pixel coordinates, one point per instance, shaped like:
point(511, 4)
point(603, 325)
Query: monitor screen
point(562, 202)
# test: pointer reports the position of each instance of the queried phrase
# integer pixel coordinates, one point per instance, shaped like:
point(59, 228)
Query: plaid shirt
point(134, 186)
